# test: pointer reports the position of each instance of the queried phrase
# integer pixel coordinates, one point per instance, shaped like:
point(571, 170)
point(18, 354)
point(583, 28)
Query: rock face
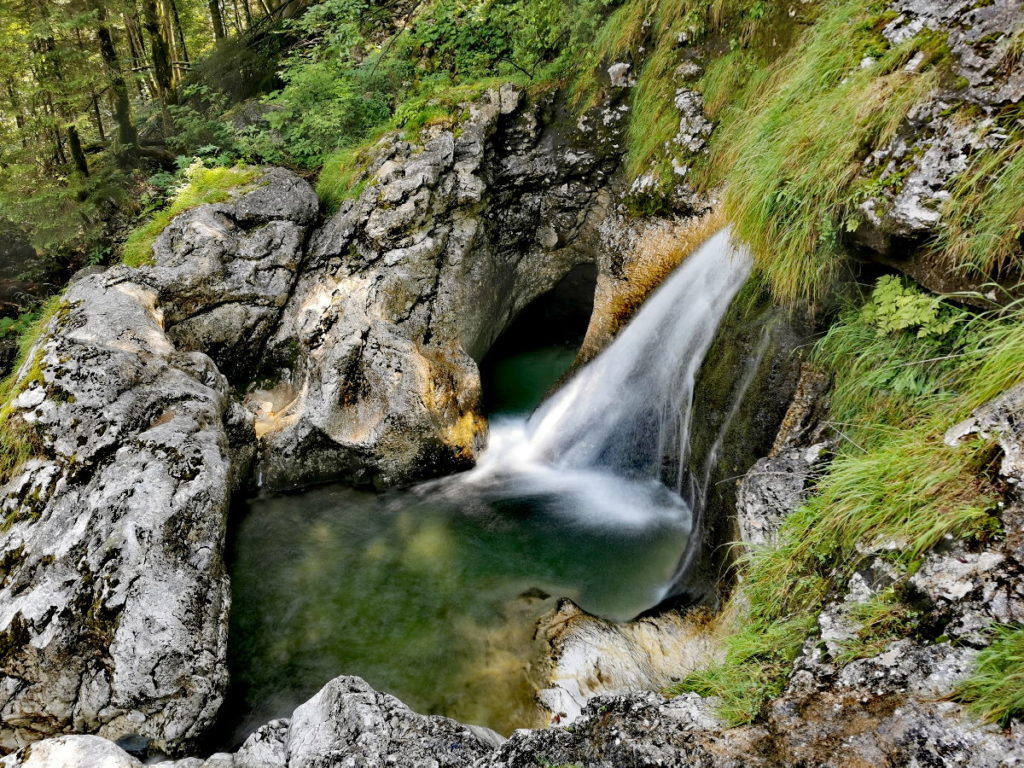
point(915, 169)
point(114, 595)
point(408, 285)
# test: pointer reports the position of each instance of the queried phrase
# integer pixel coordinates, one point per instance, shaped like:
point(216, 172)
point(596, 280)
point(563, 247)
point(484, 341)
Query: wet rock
point(774, 488)
point(779, 483)
point(588, 657)
point(113, 598)
point(409, 285)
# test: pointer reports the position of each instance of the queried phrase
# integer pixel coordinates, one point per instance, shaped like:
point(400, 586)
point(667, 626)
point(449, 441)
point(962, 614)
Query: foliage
point(204, 185)
point(896, 306)
point(893, 486)
point(995, 690)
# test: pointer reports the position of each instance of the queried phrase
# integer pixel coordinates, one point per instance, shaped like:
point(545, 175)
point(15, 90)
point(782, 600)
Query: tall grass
point(793, 164)
point(893, 487)
point(984, 215)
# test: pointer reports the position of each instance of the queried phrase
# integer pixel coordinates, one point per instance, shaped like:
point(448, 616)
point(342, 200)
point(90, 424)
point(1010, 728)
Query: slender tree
point(217, 18)
point(126, 134)
point(163, 74)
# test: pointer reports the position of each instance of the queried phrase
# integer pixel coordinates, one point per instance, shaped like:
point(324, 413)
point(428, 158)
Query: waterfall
point(630, 408)
point(597, 449)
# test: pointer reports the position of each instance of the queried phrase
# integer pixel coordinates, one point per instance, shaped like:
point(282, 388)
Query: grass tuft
point(995, 690)
point(794, 161)
point(206, 185)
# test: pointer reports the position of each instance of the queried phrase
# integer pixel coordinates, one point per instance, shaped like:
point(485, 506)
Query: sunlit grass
point(206, 185)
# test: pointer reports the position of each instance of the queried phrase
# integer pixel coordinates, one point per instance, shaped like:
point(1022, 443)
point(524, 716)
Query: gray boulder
point(223, 272)
point(114, 596)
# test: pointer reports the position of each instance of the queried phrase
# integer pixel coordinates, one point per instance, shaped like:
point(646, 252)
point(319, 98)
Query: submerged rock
point(589, 657)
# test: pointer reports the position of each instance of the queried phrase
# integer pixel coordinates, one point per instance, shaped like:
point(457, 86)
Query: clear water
point(432, 593)
point(429, 599)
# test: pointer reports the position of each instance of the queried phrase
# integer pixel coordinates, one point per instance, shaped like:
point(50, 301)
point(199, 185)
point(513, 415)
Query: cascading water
point(432, 593)
point(598, 447)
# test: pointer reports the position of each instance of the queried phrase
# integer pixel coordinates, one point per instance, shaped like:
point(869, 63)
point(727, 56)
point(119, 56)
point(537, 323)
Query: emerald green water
point(433, 593)
point(424, 597)
point(518, 383)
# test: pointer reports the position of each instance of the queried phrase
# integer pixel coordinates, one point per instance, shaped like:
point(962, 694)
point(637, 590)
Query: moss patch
point(205, 185)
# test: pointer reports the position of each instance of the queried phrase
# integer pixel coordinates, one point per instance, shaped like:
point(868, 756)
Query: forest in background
point(106, 103)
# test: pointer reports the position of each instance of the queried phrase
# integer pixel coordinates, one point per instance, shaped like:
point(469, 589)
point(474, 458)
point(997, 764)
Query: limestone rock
point(915, 169)
point(71, 752)
point(1003, 419)
point(348, 722)
point(409, 285)
point(114, 596)
point(773, 489)
point(224, 272)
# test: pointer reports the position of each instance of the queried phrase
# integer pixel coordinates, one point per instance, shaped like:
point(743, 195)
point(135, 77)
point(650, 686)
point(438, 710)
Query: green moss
point(18, 440)
point(206, 185)
point(344, 175)
point(995, 690)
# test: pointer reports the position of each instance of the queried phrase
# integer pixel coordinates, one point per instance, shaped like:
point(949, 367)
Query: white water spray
point(595, 451)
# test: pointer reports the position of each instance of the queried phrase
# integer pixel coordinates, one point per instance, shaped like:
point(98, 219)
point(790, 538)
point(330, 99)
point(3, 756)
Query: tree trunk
point(126, 134)
point(218, 20)
point(98, 117)
point(179, 31)
point(159, 52)
point(77, 154)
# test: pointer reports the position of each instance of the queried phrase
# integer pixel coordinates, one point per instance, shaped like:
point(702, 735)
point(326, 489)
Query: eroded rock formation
point(408, 285)
point(114, 594)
